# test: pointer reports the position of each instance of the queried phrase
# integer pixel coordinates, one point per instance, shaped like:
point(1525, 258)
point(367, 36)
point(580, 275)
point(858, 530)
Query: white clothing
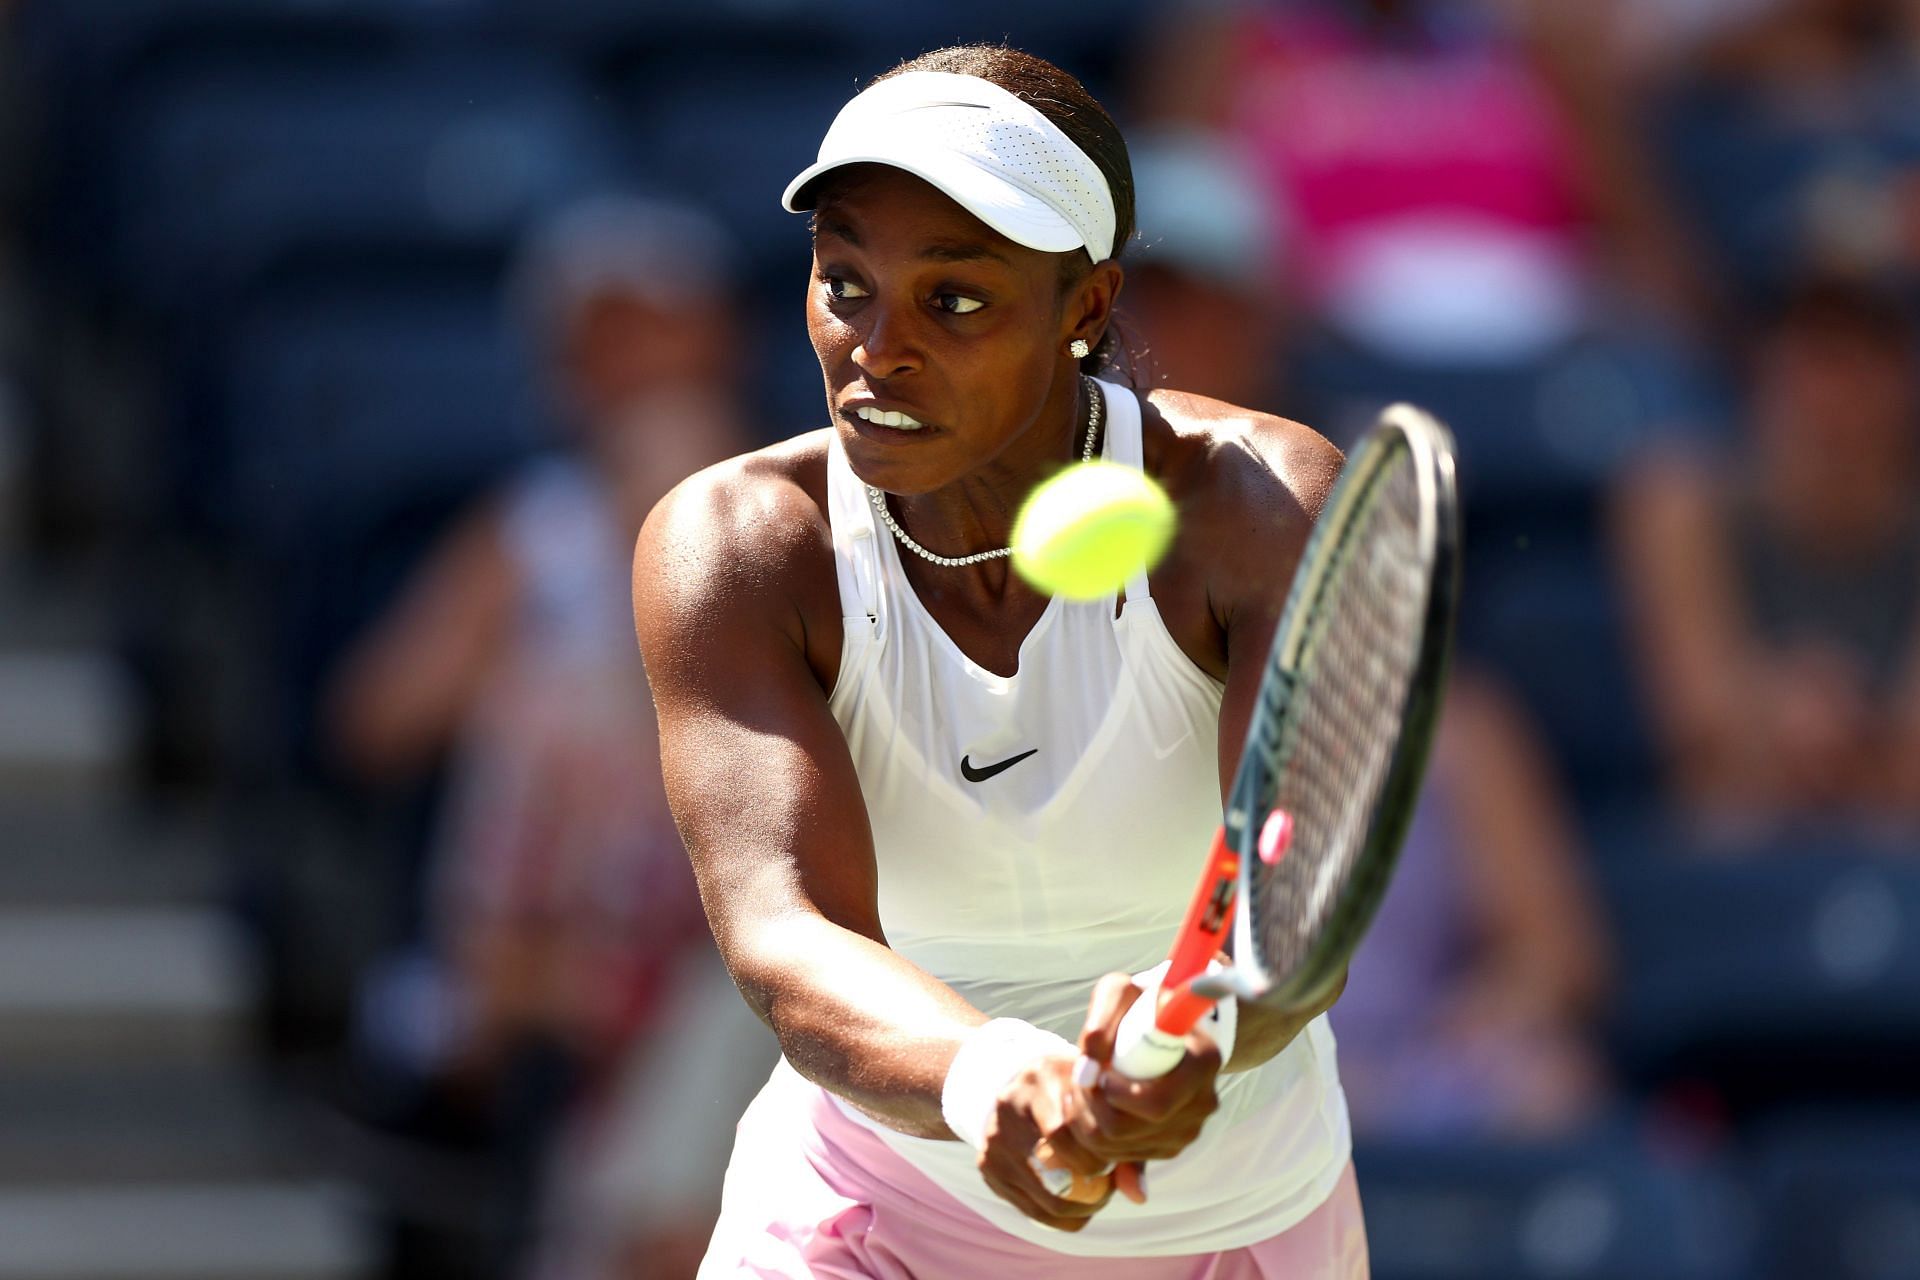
point(1022, 888)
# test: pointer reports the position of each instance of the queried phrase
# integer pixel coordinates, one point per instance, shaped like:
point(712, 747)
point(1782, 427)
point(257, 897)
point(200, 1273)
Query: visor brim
point(1011, 210)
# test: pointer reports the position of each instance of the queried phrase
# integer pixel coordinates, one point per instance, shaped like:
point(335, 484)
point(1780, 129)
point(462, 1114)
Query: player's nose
point(886, 348)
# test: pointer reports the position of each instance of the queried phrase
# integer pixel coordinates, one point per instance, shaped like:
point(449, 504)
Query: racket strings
point(1361, 648)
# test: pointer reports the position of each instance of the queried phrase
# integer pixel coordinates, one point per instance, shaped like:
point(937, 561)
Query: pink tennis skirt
point(816, 1196)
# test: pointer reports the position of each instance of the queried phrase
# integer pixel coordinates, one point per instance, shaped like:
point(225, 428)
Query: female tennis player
point(929, 808)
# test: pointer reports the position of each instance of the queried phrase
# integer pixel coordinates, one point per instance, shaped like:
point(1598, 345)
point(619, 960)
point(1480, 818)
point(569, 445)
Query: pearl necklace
point(879, 498)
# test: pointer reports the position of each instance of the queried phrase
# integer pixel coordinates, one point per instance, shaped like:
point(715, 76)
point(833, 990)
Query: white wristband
point(1220, 1025)
point(991, 1055)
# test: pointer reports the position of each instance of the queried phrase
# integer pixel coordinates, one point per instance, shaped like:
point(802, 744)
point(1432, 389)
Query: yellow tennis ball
point(1083, 533)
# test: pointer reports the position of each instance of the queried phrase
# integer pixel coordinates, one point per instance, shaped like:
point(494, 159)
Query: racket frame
point(1219, 907)
point(1260, 763)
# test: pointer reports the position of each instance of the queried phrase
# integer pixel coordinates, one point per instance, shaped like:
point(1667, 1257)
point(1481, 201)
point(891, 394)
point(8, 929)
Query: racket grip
point(1141, 1049)
point(1065, 1184)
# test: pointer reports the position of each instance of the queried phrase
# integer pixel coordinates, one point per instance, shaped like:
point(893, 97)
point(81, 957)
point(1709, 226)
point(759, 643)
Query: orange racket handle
point(1151, 1038)
point(1201, 937)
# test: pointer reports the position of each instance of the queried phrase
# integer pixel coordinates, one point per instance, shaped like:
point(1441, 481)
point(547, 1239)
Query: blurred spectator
point(1204, 308)
point(1776, 585)
point(1658, 36)
point(1795, 137)
point(565, 914)
point(1441, 166)
point(1473, 1007)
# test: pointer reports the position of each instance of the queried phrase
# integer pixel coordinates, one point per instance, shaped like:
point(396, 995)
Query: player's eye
point(958, 304)
point(841, 289)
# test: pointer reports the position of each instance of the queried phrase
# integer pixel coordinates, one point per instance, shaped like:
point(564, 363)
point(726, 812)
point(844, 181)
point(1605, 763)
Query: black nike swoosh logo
point(972, 774)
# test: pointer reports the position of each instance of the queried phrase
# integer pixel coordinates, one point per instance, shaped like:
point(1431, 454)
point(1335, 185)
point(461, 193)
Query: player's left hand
point(1030, 1117)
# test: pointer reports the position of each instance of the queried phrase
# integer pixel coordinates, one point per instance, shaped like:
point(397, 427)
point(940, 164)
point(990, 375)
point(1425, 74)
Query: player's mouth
point(884, 424)
point(888, 418)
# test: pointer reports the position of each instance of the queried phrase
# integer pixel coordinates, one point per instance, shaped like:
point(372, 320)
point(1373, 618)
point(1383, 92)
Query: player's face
point(918, 309)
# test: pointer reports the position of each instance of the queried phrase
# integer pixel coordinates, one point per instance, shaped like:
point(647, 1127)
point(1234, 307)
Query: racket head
point(1347, 709)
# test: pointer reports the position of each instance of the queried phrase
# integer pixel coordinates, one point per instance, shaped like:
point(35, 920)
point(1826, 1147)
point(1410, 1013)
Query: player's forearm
point(857, 1018)
point(1262, 1033)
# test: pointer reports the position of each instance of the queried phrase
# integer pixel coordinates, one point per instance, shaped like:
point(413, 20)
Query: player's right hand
point(1034, 1114)
point(1129, 1121)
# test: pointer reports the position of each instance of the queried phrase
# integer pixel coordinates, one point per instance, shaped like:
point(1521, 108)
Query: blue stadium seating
point(1088, 43)
point(1539, 607)
point(733, 150)
point(789, 383)
point(342, 404)
point(235, 164)
point(357, 424)
point(1598, 1207)
point(1538, 443)
point(84, 58)
point(609, 35)
point(1839, 1192)
point(104, 35)
point(1787, 970)
point(1750, 174)
point(1534, 431)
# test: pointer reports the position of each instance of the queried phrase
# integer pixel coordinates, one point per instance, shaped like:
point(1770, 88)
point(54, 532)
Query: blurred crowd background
point(345, 343)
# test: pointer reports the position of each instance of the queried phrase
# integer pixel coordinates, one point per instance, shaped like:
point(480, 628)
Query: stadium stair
point(136, 1140)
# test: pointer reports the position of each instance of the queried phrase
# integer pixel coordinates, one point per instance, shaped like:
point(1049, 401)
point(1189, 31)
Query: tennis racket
point(1334, 755)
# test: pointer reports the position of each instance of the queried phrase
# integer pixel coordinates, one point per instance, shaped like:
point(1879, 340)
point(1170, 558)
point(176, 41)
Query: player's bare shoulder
point(744, 543)
point(1238, 472)
point(1248, 486)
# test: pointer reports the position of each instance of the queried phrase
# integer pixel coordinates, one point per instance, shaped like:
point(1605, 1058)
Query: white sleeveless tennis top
point(1035, 831)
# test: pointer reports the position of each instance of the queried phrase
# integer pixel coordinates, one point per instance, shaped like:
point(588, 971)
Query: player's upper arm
point(1272, 478)
point(757, 771)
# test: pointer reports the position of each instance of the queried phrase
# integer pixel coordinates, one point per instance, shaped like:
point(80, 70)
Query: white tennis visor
point(992, 153)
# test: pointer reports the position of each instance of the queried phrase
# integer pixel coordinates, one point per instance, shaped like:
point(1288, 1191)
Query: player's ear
point(1087, 302)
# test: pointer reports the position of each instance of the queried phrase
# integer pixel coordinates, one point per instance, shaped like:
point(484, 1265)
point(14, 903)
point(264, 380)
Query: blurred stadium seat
point(1764, 181)
point(1530, 432)
point(1594, 1208)
point(83, 58)
point(1090, 44)
point(1541, 609)
point(733, 152)
point(343, 405)
point(376, 168)
point(1840, 1194)
point(1538, 444)
point(357, 423)
point(237, 164)
point(609, 36)
point(1789, 971)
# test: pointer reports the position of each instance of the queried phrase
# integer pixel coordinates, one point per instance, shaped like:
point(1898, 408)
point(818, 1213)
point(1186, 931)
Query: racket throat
point(1181, 1008)
point(1184, 1003)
